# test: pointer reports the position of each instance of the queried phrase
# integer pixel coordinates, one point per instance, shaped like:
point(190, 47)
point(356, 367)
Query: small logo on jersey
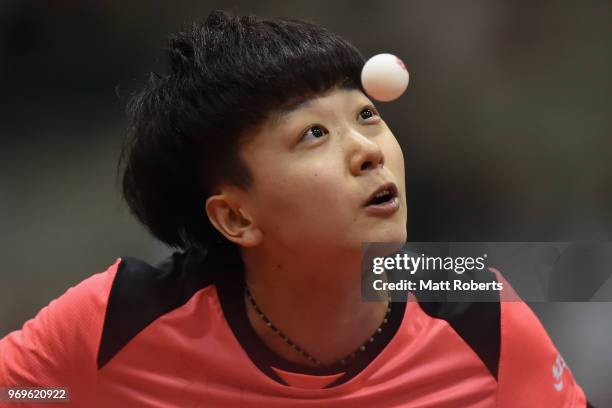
point(558, 369)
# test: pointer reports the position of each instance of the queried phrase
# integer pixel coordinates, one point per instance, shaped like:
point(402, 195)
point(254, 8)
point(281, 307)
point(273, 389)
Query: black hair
point(226, 75)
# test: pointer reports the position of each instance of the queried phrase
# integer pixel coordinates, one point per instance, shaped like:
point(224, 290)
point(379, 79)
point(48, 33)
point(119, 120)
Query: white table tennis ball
point(384, 77)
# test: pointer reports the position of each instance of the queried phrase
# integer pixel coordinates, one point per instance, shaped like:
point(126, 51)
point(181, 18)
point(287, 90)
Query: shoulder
point(531, 369)
point(45, 350)
point(141, 293)
point(87, 325)
point(476, 320)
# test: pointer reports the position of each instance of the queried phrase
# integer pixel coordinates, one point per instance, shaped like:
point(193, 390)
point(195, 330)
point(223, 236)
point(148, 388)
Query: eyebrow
point(298, 103)
point(293, 106)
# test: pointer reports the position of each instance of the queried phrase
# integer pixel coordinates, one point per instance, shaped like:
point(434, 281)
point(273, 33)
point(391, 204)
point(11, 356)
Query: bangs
point(258, 66)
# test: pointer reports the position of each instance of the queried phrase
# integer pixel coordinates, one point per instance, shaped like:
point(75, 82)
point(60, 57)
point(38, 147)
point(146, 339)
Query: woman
point(262, 160)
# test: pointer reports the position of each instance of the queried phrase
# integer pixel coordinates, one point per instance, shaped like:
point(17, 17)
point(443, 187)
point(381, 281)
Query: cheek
point(305, 193)
point(304, 199)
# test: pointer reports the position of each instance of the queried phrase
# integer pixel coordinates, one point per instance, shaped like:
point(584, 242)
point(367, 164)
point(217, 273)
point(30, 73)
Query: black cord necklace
point(343, 361)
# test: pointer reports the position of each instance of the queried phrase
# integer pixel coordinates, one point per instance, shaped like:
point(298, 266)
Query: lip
point(391, 187)
point(386, 208)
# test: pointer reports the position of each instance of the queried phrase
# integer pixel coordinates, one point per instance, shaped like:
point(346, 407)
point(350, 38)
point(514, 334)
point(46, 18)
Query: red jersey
point(177, 335)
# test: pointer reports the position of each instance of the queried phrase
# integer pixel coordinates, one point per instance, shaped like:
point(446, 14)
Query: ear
point(233, 221)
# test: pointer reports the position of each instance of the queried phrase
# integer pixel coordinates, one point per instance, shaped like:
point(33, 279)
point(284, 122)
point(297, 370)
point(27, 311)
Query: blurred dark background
point(505, 127)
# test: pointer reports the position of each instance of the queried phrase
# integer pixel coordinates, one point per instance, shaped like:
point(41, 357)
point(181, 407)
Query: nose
point(365, 154)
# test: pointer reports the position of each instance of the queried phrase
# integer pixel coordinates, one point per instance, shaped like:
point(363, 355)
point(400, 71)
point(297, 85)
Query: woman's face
point(316, 169)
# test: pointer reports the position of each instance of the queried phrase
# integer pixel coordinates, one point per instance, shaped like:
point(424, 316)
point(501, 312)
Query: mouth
point(382, 194)
point(383, 202)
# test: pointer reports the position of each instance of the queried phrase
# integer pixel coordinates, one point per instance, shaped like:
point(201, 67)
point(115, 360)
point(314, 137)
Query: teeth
point(382, 193)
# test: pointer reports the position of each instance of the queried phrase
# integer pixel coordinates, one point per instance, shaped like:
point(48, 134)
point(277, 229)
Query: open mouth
point(382, 195)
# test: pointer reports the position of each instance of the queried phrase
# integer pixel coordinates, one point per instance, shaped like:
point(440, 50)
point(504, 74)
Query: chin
point(395, 235)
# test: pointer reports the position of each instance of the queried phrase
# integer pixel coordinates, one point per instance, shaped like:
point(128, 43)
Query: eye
point(368, 114)
point(315, 132)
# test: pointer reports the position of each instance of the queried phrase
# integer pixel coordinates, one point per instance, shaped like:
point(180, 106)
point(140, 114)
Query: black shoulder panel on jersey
point(142, 293)
point(478, 323)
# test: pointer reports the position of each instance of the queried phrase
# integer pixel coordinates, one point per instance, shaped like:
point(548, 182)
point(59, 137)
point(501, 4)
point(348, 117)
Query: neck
point(315, 302)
